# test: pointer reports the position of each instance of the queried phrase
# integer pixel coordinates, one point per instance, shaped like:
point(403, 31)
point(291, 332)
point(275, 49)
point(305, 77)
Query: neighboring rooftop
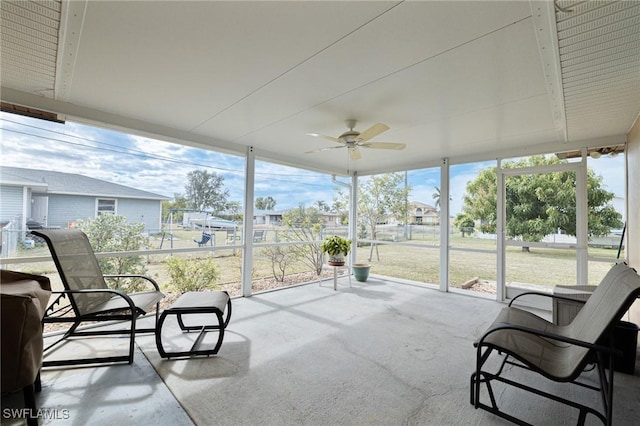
point(70, 184)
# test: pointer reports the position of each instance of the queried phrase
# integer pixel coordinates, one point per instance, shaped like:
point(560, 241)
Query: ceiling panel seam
point(282, 74)
point(392, 73)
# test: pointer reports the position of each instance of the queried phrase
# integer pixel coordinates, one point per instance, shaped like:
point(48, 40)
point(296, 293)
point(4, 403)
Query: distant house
point(272, 217)
point(268, 217)
point(56, 199)
point(420, 213)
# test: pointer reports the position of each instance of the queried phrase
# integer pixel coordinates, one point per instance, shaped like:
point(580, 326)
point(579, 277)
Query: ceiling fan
point(353, 140)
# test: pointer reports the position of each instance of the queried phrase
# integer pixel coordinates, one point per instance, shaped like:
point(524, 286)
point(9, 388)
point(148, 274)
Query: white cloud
point(162, 167)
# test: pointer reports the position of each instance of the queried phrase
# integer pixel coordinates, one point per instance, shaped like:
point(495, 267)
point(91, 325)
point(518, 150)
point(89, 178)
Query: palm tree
point(436, 196)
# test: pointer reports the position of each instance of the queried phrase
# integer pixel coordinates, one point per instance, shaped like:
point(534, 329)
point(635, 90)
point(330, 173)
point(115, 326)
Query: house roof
point(461, 80)
point(417, 204)
point(70, 184)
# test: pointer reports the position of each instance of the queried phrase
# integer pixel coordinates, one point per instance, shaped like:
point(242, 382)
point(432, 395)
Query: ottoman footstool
point(217, 303)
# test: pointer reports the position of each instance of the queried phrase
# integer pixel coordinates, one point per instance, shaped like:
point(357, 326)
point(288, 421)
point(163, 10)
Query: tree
point(233, 210)
point(464, 223)
point(382, 197)
point(322, 206)
point(304, 224)
point(436, 196)
point(265, 203)
point(341, 205)
point(178, 202)
point(539, 204)
point(204, 190)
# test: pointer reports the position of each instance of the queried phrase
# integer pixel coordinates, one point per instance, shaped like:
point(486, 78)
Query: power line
point(142, 154)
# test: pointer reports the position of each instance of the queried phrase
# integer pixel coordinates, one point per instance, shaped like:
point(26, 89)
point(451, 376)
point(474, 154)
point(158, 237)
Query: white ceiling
point(464, 80)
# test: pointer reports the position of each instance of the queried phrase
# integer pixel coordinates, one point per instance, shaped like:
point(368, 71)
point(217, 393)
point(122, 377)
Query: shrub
point(280, 258)
point(112, 233)
point(193, 274)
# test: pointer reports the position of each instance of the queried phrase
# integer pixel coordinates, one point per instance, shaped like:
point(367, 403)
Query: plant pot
point(336, 259)
point(361, 271)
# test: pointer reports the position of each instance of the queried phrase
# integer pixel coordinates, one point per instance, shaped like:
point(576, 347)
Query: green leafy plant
point(112, 233)
point(193, 274)
point(336, 245)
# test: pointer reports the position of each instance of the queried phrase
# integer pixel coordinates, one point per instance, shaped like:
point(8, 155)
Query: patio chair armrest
point(144, 277)
point(99, 290)
point(552, 296)
point(547, 335)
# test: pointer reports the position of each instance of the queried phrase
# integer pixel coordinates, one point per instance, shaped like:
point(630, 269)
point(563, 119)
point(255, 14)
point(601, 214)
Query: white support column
point(26, 210)
point(444, 225)
point(500, 233)
point(353, 217)
point(247, 248)
point(582, 222)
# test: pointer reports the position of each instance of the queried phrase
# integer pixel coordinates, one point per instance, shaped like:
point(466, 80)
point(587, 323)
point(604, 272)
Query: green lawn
point(419, 261)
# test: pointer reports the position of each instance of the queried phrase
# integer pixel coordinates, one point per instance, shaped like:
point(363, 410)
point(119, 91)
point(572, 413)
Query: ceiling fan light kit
point(354, 140)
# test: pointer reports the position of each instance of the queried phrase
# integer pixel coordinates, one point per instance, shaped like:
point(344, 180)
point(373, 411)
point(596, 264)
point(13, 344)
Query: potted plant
point(361, 271)
point(337, 248)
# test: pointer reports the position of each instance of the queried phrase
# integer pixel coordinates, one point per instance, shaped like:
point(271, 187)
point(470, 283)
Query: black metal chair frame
point(61, 312)
point(483, 377)
point(222, 311)
point(602, 353)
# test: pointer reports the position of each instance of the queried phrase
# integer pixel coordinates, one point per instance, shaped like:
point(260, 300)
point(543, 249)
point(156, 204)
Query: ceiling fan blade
point(384, 145)
point(324, 149)
point(372, 131)
point(354, 153)
point(330, 138)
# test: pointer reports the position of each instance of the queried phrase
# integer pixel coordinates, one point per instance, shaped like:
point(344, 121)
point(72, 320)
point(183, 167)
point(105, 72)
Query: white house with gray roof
point(57, 199)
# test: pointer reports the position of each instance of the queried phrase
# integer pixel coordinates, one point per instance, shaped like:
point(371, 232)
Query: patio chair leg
point(30, 404)
point(132, 341)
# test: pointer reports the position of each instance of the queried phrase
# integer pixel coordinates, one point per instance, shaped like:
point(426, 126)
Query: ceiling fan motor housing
point(350, 136)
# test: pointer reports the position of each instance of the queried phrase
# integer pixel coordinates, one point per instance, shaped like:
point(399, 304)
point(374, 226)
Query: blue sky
point(162, 168)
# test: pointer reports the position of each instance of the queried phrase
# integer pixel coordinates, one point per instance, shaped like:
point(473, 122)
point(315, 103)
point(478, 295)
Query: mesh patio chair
point(559, 353)
point(233, 236)
point(90, 299)
point(259, 235)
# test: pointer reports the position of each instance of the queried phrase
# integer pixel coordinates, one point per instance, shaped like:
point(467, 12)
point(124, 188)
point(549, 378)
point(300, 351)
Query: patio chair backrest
point(77, 266)
point(610, 300)
point(605, 307)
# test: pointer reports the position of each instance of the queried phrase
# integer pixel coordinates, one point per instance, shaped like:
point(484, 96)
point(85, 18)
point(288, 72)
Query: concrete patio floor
point(377, 353)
